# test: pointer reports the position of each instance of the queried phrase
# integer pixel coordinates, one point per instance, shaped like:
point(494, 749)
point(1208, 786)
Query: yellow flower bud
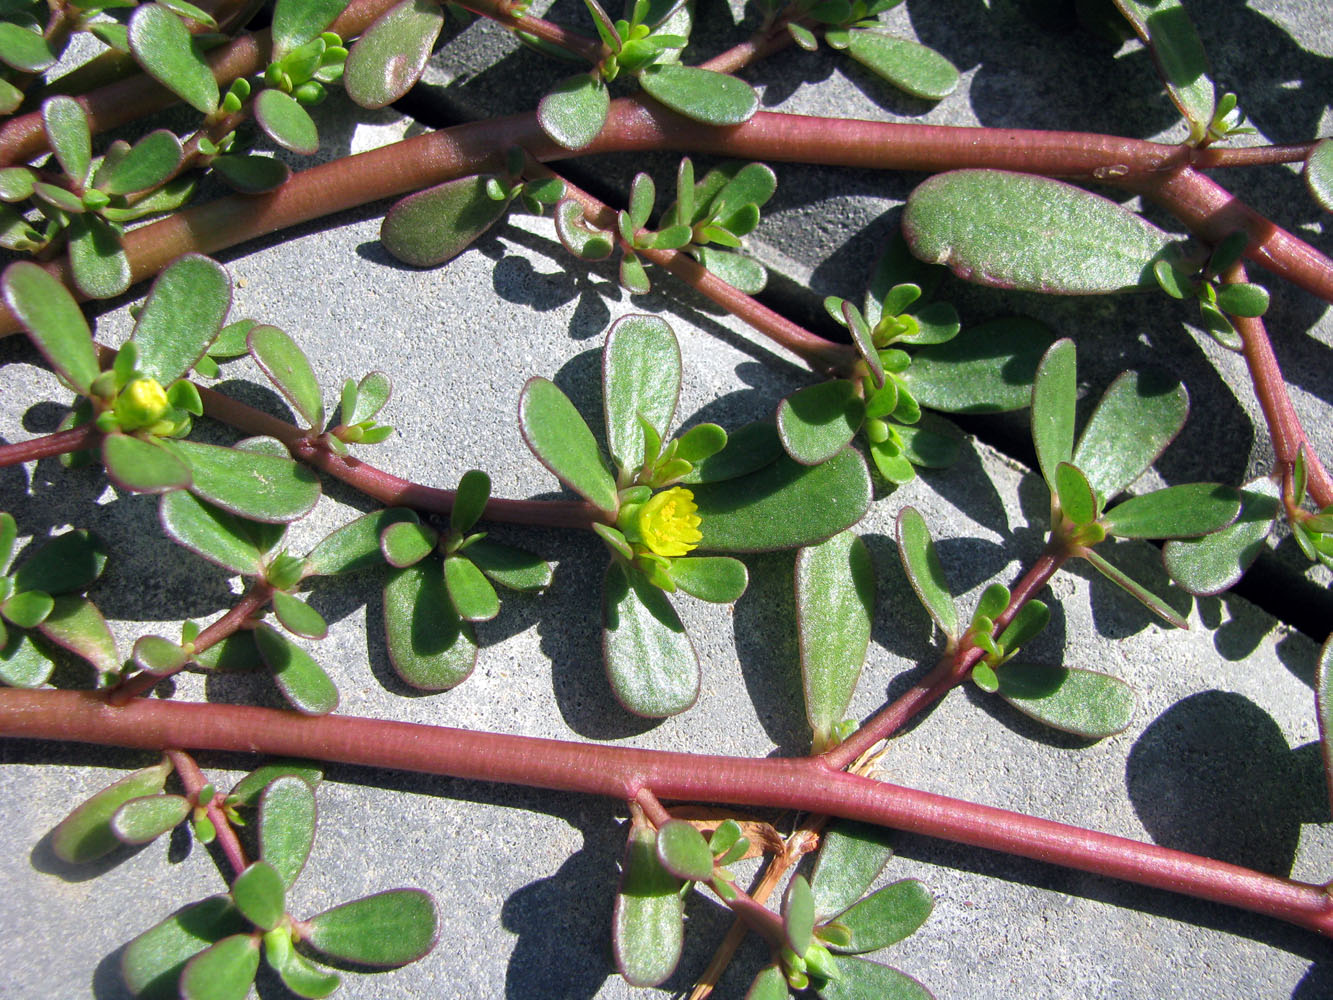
point(668, 523)
point(141, 403)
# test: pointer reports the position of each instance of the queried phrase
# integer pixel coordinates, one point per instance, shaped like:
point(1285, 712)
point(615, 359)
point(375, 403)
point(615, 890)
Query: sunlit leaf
point(1211, 564)
point(283, 361)
point(429, 646)
point(817, 422)
point(1077, 500)
point(1083, 702)
point(1054, 393)
point(210, 532)
point(259, 894)
point(437, 224)
point(648, 925)
point(851, 856)
point(705, 96)
point(163, 46)
point(886, 917)
point(1184, 511)
point(1139, 415)
point(1140, 593)
point(85, 834)
point(859, 979)
point(640, 381)
point(1009, 230)
point(24, 50)
point(356, 545)
point(152, 963)
point(683, 852)
point(66, 125)
point(300, 679)
point(390, 55)
point(258, 486)
point(924, 572)
point(718, 579)
point(297, 972)
point(1166, 30)
point(1319, 173)
point(75, 624)
point(181, 317)
point(146, 818)
point(22, 663)
point(149, 162)
point(298, 617)
point(296, 22)
point(908, 65)
point(54, 322)
point(563, 442)
point(387, 929)
point(650, 660)
point(574, 110)
point(286, 122)
point(223, 971)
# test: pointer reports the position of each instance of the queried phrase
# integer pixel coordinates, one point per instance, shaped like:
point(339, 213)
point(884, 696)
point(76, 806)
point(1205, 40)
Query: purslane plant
point(651, 498)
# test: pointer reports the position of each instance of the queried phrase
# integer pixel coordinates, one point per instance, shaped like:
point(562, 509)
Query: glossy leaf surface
point(682, 850)
point(258, 486)
point(908, 65)
point(387, 929)
point(22, 664)
point(648, 924)
point(1054, 394)
point(98, 265)
point(75, 624)
point(66, 125)
point(54, 322)
point(300, 679)
point(705, 96)
point(817, 422)
point(429, 646)
point(147, 164)
point(472, 595)
point(162, 45)
point(717, 579)
point(1008, 230)
point(835, 603)
point(851, 856)
point(641, 372)
point(389, 56)
point(561, 439)
point(1165, 28)
point(886, 917)
point(259, 894)
point(924, 572)
point(798, 914)
point(1083, 702)
point(1184, 511)
point(249, 790)
point(152, 963)
point(223, 971)
point(85, 834)
point(1138, 416)
point(650, 661)
point(146, 818)
point(298, 617)
point(283, 361)
point(286, 122)
point(356, 545)
point(210, 532)
point(435, 225)
point(574, 110)
point(296, 22)
point(182, 316)
point(1319, 173)
point(1212, 564)
point(859, 979)
point(783, 505)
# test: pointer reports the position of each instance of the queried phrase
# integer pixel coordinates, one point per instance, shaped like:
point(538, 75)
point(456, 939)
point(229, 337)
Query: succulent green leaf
point(8, 534)
point(283, 361)
point(148, 163)
point(859, 979)
point(817, 422)
point(285, 122)
point(287, 826)
point(356, 545)
point(27, 609)
point(223, 971)
point(508, 566)
point(429, 646)
point(633, 275)
point(152, 963)
point(1242, 300)
point(75, 624)
point(297, 972)
point(85, 834)
point(1319, 173)
point(1140, 414)
point(387, 929)
point(574, 110)
point(68, 562)
point(66, 125)
point(472, 595)
point(908, 65)
point(770, 983)
point(1054, 393)
point(406, 543)
point(167, 198)
point(248, 790)
point(1166, 30)
point(59, 197)
point(261, 487)
point(390, 55)
point(301, 680)
point(741, 272)
point(474, 489)
point(1083, 702)
point(157, 655)
point(924, 571)
point(887, 917)
point(437, 224)
point(143, 466)
point(98, 265)
point(260, 893)
point(783, 505)
point(1077, 500)
point(648, 923)
point(22, 663)
point(163, 46)
point(985, 369)
point(798, 912)
point(700, 94)
point(298, 617)
point(24, 50)
point(1136, 590)
point(210, 532)
point(1009, 230)
point(851, 856)
point(251, 174)
point(562, 441)
point(640, 380)
point(746, 450)
point(182, 316)
point(146, 818)
point(1184, 511)
point(296, 22)
point(930, 448)
point(835, 603)
point(682, 850)
point(579, 237)
point(372, 393)
point(1031, 618)
point(234, 654)
point(1212, 564)
point(54, 322)
point(717, 579)
point(650, 661)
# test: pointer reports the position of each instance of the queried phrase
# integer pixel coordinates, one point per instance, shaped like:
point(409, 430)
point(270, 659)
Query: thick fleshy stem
point(50, 445)
point(194, 781)
point(948, 674)
point(246, 610)
point(807, 784)
point(1284, 427)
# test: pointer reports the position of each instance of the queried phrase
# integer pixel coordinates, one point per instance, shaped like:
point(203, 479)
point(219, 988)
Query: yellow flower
point(668, 523)
point(141, 403)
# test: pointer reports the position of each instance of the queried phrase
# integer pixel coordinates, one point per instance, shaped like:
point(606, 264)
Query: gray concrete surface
point(1221, 757)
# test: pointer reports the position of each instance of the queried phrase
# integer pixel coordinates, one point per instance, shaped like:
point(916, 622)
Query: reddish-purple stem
point(807, 784)
point(194, 781)
point(50, 445)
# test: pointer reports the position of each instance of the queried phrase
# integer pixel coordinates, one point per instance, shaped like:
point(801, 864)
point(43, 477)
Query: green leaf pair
point(1139, 415)
point(42, 595)
point(1218, 303)
point(428, 612)
point(1072, 699)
